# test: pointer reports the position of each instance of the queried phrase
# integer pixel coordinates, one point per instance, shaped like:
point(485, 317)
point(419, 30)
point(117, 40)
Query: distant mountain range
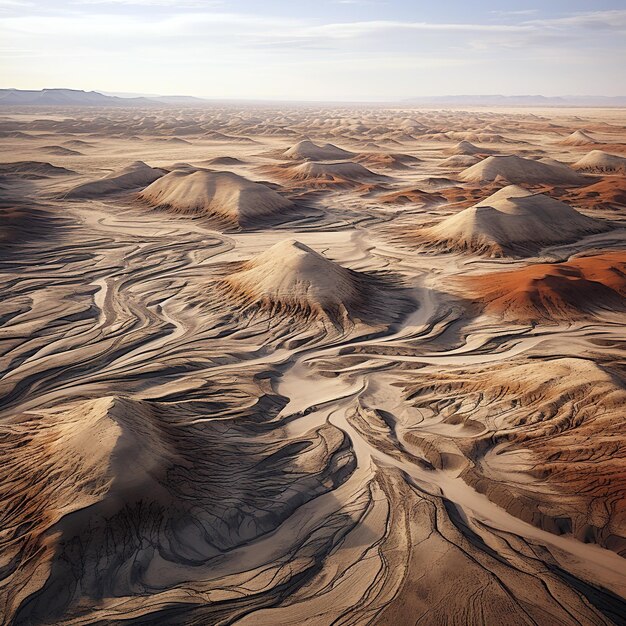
point(77, 97)
point(497, 100)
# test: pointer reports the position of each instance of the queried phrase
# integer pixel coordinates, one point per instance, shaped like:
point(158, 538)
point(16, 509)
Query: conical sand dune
point(223, 195)
point(467, 148)
point(513, 220)
point(307, 150)
point(106, 485)
point(135, 175)
point(601, 162)
point(517, 170)
point(578, 138)
point(293, 277)
point(459, 160)
point(394, 161)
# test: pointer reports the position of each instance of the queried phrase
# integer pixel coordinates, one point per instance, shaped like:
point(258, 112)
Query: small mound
point(412, 195)
point(223, 160)
point(554, 291)
point(601, 162)
point(222, 195)
point(512, 221)
point(217, 136)
point(292, 278)
point(78, 143)
point(466, 148)
point(437, 182)
point(175, 140)
point(517, 170)
point(32, 169)
point(578, 138)
point(307, 150)
point(459, 160)
point(346, 173)
point(393, 161)
point(60, 151)
point(135, 175)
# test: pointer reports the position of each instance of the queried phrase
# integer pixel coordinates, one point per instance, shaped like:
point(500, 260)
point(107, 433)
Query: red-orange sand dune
point(554, 291)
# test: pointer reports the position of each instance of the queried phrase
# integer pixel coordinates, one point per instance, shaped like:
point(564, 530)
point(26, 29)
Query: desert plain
point(281, 364)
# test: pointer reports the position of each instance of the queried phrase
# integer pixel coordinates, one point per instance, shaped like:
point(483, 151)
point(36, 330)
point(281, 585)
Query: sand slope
point(555, 292)
point(336, 174)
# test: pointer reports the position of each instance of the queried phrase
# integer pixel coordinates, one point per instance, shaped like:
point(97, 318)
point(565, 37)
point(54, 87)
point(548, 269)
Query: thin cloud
point(174, 4)
point(516, 13)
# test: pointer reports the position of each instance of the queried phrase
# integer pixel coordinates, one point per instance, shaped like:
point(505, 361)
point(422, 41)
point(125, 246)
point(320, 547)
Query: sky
point(324, 50)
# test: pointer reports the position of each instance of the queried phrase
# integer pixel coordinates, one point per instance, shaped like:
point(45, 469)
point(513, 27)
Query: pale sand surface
point(312, 365)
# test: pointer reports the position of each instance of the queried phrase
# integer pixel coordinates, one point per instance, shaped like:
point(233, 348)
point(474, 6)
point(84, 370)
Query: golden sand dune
point(467, 148)
point(460, 161)
point(60, 151)
point(393, 161)
point(411, 195)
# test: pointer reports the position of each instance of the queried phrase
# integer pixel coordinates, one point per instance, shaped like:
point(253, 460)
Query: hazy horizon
point(333, 50)
point(435, 97)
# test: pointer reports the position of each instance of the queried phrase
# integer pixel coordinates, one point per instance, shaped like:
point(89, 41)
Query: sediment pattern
point(308, 422)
